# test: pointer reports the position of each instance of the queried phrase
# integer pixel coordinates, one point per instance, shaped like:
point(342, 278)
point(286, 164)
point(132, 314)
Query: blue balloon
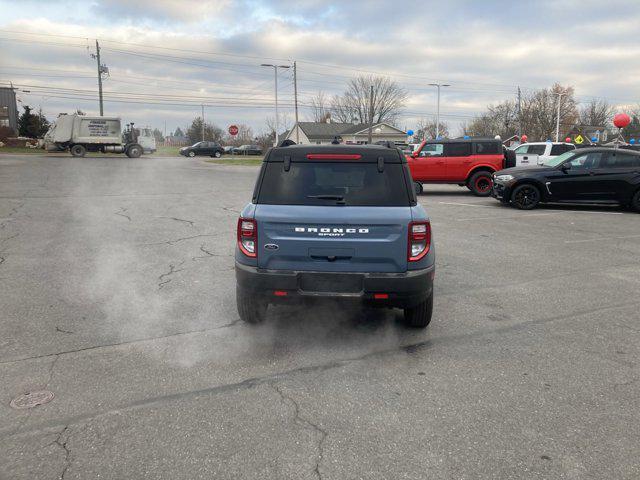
point(632, 141)
point(409, 132)
point(548, 140)
point(438, 137)
point(594, 139)
point(467, 137)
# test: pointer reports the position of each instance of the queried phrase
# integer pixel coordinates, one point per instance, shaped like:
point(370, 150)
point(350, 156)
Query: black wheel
point(217, 154)
point(635, 202)
point(418, 187)
point(134, 151)
point(78, 151)
point(420, 315)
point(480, 183)
point(191, 153)
point(525, 197)
point(252, 309)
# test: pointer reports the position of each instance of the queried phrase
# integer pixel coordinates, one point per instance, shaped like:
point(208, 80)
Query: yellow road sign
point(578, 139)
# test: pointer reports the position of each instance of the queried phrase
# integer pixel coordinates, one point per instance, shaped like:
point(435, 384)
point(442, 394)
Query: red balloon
point(621, 120)
point(524, 138)
point(568, 139)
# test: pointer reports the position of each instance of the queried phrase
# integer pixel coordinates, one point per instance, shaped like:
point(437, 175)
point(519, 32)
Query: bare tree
point(596, 113)
point(426, 130)
point(539, 112)
point(320, 109)
point(389, 99)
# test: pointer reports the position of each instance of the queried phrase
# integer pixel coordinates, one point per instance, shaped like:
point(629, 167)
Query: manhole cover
point(32, 399)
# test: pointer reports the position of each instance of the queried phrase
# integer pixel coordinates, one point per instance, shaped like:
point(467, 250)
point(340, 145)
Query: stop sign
point(233, 130)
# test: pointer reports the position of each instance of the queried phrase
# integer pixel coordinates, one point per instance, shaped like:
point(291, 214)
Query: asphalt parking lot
point(118, 296)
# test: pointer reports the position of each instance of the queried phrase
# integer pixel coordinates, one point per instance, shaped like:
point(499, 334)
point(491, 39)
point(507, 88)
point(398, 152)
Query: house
point(8, 109)
point(350, 133)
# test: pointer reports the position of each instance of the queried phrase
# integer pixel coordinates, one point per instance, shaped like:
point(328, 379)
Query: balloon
point(632, 141)
point(568, 139)
point(548, 140)
point(498, 137)
point(621, 120)
point(409, 132)
point(438, 137)
point(466, 137)
point(524, 138)
point(594, 139)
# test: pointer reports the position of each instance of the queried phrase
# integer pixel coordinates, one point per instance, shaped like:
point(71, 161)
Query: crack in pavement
point(190, 222)
point(297, 418)
point(122, 214)
point(177, 240)
point(58, 329)
point(274, 377)
point(172, 270)
point(208, 254)
point(127, 342)
point(67, 452)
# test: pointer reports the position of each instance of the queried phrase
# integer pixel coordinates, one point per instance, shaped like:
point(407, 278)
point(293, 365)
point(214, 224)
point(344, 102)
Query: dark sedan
point(210, 149)
point(585, 176)
point(248, 150)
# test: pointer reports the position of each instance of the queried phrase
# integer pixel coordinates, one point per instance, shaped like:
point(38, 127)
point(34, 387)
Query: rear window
point(536, 149)
point(333, 183)
point(560, 149)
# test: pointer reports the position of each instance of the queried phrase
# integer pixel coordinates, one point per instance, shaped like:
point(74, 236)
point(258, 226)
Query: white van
point(536, 153)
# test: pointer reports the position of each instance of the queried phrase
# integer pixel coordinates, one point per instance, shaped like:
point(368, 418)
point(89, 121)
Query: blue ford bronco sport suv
point(335, 221)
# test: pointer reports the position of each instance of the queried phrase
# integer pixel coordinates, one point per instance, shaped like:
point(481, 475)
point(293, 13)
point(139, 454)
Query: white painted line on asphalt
point(601, 239)
point(495, 217)
point(466, 204)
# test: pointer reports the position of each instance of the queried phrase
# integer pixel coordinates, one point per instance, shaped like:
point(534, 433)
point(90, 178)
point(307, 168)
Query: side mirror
point(566, 167)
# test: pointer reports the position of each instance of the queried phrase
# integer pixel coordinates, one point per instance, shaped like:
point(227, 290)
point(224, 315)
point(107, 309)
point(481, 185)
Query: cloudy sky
point(166, 58)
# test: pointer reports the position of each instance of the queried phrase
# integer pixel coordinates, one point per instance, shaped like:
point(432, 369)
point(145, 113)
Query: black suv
point(210, 149)
point(588, 175)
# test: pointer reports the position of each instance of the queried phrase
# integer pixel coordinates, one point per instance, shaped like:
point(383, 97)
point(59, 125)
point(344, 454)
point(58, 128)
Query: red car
point(469, 163)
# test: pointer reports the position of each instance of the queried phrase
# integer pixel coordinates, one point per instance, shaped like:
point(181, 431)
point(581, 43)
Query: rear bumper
point(402, 290)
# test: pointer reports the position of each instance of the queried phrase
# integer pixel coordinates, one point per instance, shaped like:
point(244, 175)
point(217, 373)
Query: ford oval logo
point(271, 246)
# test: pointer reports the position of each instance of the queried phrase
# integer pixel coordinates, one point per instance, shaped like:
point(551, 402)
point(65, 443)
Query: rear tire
point(251, 308)
point(418, 188)
point(134, 151)
point(420, 315)
point(217, 154)
point(480, 183)
point(525, 197)
point(635, 202)
point(78, 151)
point(191, 154)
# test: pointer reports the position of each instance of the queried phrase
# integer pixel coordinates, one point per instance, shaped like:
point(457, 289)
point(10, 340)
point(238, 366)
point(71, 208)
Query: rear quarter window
point(357, 184)
point(457, 149)
point(488, 148)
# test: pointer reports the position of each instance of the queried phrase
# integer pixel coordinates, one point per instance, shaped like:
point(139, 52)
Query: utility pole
point(275, 71)
point(295, 98)
point(519, 113)
point(202, 122)
point(558, 116)
point(370, 137)
point(438, 85)
point(101, 69)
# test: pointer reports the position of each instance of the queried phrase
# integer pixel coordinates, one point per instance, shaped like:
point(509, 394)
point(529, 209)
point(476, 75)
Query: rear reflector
point(381, 296)
point(333, 156)
point(280, 293)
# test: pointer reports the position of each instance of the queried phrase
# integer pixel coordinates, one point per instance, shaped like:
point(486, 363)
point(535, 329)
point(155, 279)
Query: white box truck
point(81, 134)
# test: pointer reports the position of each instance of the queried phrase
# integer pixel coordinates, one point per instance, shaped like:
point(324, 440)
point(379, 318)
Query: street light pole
point(558, 117)
point(438, 85)
point(275, 71)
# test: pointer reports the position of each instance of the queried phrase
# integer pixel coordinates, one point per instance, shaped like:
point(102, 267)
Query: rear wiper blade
point(337, 198)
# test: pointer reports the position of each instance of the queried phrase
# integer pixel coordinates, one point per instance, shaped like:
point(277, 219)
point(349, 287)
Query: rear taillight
point(248, 236)
point(419, 240)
